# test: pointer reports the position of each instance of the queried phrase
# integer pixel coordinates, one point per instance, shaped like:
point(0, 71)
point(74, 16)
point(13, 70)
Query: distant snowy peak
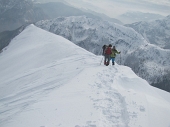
point(90, 33)
point(156, 32)
point(131, 17)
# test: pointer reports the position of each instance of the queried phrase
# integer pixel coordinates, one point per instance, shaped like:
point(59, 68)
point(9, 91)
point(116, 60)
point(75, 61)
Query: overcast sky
point(114, 8)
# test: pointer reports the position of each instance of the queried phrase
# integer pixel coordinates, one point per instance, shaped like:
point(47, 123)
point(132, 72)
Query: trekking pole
point(101, 61)
point(120, 58)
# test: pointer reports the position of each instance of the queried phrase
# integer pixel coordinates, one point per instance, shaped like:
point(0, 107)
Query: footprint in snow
point(142, 109)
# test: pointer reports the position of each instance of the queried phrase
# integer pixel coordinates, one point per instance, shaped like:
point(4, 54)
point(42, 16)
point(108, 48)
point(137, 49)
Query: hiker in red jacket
point(108, 52)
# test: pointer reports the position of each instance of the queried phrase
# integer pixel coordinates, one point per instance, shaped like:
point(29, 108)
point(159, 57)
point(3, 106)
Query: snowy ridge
point(156, 32)
point(92, 34)
point(60, 84)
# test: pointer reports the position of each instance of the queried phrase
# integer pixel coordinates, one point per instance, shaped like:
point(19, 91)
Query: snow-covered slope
point(147, 61)
point(47, 81)
point(7, 36)
point(156, 32)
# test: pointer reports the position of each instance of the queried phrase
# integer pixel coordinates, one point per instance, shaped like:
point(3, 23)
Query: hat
point(110, 45)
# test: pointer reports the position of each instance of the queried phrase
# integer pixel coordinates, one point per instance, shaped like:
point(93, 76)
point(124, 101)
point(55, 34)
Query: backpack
point(104, 48)
point(108, 51)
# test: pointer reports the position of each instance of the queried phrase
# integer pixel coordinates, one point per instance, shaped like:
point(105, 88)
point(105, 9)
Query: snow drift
point(47, 81)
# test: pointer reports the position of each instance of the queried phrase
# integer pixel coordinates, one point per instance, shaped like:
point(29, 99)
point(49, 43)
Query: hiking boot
point(107, 63)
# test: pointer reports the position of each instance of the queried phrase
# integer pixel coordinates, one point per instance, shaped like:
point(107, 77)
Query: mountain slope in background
point(47, 81)
point(15, 13)
point(146, 60)
point(156, 32)
point(132, 17)
point(55, 9)
point(104, 17)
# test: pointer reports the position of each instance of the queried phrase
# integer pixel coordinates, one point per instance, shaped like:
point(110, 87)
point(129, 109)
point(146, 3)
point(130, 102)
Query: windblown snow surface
point(47, 81)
